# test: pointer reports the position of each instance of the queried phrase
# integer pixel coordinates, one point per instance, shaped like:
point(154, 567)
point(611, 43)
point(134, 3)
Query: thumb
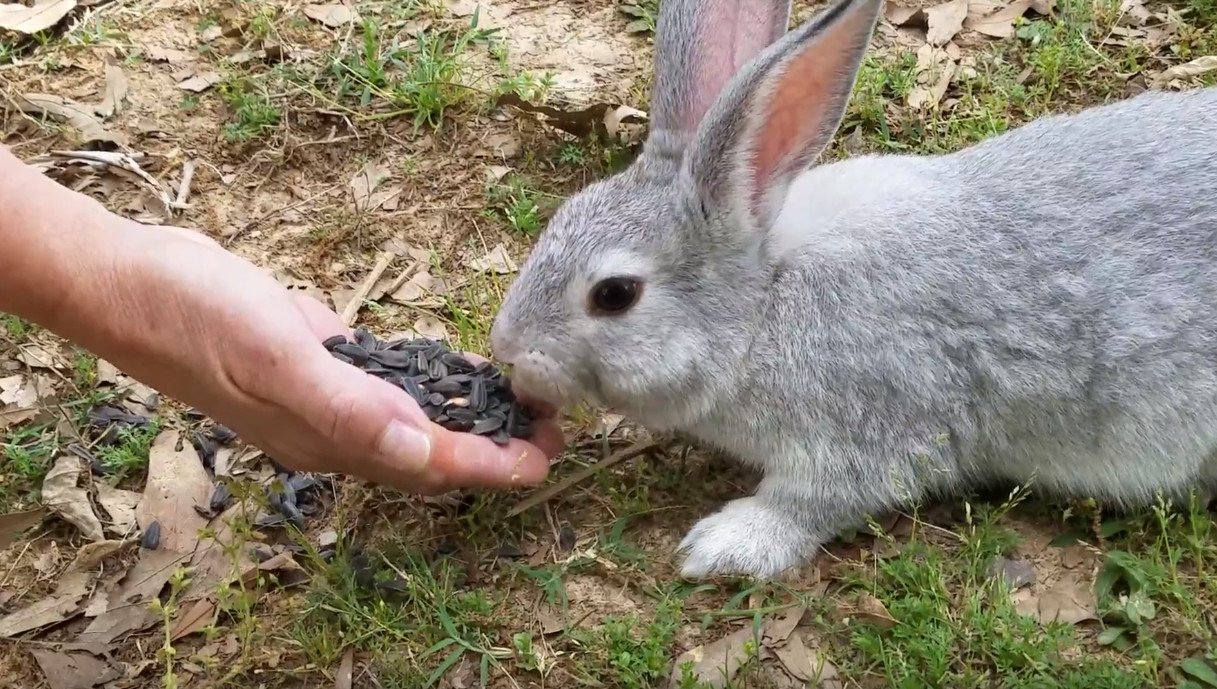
point(385, 437)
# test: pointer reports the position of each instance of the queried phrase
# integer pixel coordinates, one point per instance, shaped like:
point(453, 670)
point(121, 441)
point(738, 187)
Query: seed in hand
point(452, 391)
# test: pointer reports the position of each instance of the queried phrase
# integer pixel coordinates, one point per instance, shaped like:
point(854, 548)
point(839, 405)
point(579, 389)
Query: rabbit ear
point(780, 112)
point(699, 46)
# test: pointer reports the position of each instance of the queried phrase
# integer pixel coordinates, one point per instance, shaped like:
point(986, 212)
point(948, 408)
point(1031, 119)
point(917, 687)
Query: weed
point(518, 204)
point(643, 15)
point(629, 652)
point(253, 113)
point(16, 329)
point(27, 454)
point(129, 456)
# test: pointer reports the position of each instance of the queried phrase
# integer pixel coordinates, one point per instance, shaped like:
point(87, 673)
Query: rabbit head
point(646, 288)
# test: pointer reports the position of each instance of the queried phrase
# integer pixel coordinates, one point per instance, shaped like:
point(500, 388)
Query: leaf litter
point(36, 18)
point(61, 495)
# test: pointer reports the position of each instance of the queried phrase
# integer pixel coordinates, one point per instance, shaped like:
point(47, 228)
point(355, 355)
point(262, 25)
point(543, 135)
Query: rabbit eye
point(615, 295)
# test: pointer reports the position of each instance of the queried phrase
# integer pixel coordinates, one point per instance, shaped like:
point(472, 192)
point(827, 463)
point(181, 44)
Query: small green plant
point(518, 204)
point(15, 328)
point(629, 652)
point(129, 456)
point(643, 15)
point(253, 113)
point(7, 53)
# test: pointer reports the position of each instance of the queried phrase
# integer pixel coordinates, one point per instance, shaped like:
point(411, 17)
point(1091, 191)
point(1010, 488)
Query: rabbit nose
point(502, 345)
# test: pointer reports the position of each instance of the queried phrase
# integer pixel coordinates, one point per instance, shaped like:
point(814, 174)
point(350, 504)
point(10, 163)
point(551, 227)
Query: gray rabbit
point(1040, 307)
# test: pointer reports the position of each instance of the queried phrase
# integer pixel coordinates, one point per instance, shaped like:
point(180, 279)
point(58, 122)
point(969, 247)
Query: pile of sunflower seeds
point(453, 391)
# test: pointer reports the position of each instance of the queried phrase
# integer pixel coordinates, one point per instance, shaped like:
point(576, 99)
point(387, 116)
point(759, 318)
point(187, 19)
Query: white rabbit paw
point(746, 537)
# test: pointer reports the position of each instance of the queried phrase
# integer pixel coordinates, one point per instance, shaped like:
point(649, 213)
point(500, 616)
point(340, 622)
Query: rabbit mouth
point(539, 377)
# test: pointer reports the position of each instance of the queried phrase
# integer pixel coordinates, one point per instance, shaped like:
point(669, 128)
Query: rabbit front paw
point(746, 537)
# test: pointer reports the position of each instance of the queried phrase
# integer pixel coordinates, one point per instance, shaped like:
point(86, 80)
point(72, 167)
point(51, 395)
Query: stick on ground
point(544, 494)
point(352, 309)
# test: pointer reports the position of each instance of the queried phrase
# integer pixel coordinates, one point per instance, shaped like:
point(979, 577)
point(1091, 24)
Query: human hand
point(204, 326)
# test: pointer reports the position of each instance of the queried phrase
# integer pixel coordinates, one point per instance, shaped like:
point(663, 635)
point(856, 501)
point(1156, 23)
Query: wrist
point(55, 242)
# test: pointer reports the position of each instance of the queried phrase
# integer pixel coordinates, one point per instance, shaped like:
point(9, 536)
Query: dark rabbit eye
point(615, 295)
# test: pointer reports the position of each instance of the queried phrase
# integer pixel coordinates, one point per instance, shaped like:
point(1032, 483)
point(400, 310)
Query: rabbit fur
point(1038, 308)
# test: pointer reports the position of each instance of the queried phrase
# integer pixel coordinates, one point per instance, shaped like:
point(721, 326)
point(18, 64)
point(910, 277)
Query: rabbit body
point(1040, 307)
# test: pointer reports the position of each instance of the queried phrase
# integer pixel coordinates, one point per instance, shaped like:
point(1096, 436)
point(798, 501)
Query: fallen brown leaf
point(777, 630)
point(43, 15)
point(595, 118)
point(120, 506)
point(432, 327)
point(869, 609)
point(157, 53)
point(15, 523)
point(1187, 70)
point(62, 603)
point(127, 609)
point(333, 16)
point(1000, 24)
point(714, 664)
point(1069, 600)
point(75, 115)
point(61, 495)
point(176, 483)
point(365, 182)
point(196, 618)
point(806, 664)
point(944, 21)
point(116, 92)
point(74, 670)
point(200, 82)
point(497, 261)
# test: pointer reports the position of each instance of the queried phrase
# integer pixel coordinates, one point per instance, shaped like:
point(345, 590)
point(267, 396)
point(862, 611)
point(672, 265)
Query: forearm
point(51, 237)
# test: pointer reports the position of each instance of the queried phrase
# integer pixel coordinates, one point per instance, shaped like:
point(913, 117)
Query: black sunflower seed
point(477, 395)
point(566, 538)
point(453, 391)
point(334, 341)
point(486, 426)
point(358, 355)
point(220, 499)
point(445, 386)
point(365, 338)
point(151, 539)
point(342, 357)
point(222, 434)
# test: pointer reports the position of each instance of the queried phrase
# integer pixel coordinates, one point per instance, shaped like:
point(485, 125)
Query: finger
point(547, 436)
point(470, 461)
point(321, 319)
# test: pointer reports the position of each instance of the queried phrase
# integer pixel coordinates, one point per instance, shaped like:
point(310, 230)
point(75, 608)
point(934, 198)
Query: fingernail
point(404, 442)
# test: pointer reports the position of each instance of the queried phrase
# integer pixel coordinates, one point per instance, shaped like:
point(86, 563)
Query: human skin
point(176, 311)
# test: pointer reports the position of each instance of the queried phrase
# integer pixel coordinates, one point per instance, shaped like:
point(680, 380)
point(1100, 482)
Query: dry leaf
point(14, 524)
point(74, 114)
point(606, 424)
point(37, 356)
point(196, 618)
point(777, 630)
point(116, 92)
point(333, 16)
point(127, 609)
point(999, 24)
point(62, 603)
point(1070, 600)
point(345, 676)
point(431, 327)
point(90, 555)
point(902, 15)
point(870, 610)
point(107, 373)
point(176, 483)
point(497, 260)
point(120, 506)
point(200, 82)
point(61, 496)
point(495, 173)
point(159, 54)
point(44, 14)
point(499, 145)
point(806, 664)
point(1016, 573)
point(715, 664)
point(1136, 11)
point(595, 118)
point(365, 182)
point(74, 670)
point(944, 21)
point(1187, 70)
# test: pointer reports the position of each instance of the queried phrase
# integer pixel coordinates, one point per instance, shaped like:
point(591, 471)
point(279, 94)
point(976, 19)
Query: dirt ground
point(322, 141)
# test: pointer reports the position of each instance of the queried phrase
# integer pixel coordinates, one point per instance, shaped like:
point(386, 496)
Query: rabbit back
point(1039, 307)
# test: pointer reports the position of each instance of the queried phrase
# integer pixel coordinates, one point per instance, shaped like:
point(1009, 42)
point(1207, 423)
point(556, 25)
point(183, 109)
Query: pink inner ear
point(801, 105)
point(730, 33)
